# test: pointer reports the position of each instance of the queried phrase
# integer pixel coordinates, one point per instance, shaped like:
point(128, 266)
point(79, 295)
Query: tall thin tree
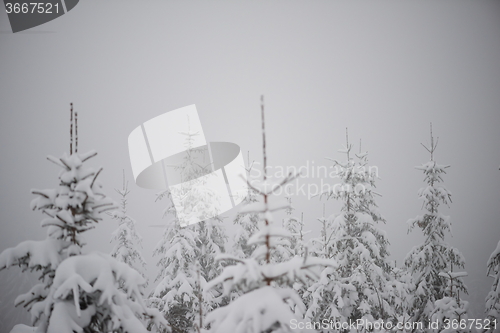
point(427, 261)
point(262, 306)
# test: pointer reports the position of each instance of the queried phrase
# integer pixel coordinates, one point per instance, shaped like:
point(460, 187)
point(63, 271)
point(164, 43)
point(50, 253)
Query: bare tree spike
point(268, 244)
point(250, 165)
point(124, 185)
point(76, 132)
point(263, 136)
point(433, 145)
point(347, 142)
point(348, 159)
point(71, 130)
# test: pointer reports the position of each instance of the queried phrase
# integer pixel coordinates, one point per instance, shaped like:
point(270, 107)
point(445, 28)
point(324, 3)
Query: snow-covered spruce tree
point(294, 225)
point(186, 264)
point(385, 284)
point(326, 290)
point(357, 289)
point(493, 298)
point(187, 254)
point(427, 261)
point(77, 292)
point(297, 244)
point(127, 239)
point(174, 294)
point(320, 245)
point(268, 303)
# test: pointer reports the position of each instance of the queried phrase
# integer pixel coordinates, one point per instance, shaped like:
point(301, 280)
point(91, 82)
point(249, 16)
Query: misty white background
point(384, 69)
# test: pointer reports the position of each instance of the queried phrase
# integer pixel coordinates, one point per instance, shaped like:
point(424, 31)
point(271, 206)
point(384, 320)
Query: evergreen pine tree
point(268, 303)
point(78, 292)
point(320, 245)
point(426, 262)
point(187, 253)
point(127, 239)
point(357, 289)
point(297, 244)
point(295, 226)
point(175, 294)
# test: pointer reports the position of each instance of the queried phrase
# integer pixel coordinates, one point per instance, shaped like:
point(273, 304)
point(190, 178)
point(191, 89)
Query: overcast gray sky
point(385, 69)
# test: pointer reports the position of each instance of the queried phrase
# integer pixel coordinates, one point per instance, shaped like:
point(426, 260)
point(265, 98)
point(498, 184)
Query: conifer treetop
point(263, 306)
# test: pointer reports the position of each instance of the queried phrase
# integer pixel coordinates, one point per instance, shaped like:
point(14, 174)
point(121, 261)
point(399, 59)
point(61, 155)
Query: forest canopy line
point(270, 276)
